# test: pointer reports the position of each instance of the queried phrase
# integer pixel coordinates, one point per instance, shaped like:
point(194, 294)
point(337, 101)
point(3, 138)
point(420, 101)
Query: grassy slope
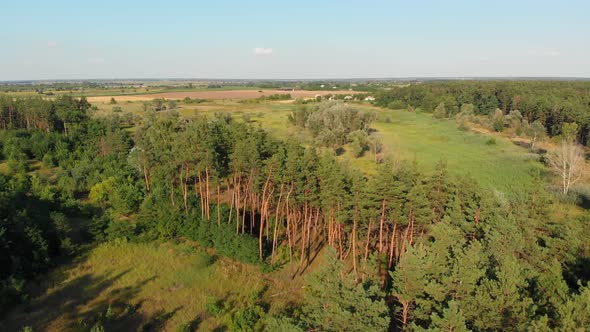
point(164, 285)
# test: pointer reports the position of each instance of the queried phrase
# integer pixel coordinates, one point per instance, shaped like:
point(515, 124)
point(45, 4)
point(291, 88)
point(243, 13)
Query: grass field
point(495, 162)
point(145, 287)
point(123, 91)
point(217, 94)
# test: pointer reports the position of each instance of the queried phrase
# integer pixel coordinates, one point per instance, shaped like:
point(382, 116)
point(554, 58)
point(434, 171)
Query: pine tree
point(334, 302)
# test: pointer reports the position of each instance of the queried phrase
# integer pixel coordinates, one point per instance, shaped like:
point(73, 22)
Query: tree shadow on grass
point(65, 308)
point(193, 325)
point(526, 145)
point(40, 312)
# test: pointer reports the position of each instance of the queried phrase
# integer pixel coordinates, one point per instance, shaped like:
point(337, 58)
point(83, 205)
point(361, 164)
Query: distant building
point(347, 97)
point(370, 98)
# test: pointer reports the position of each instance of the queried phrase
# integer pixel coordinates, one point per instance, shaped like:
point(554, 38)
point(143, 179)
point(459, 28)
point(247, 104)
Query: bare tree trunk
point(288, 213)
point(567, 161)
point(303, 226)
point(405, 314)
point(185, 190)
point(201, 196)
point(231, 191)
point(392, 244)
point(354, 222)
point(172, 191)
point(381, 226)
point(218, 204)
point(276, 225)
point(208, 200)
point(368, 239)
point(147, 178)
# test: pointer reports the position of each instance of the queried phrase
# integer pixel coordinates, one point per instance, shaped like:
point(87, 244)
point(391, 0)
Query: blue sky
point(293, 39)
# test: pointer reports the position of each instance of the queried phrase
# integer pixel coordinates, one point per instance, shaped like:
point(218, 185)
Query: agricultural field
point(218, 94)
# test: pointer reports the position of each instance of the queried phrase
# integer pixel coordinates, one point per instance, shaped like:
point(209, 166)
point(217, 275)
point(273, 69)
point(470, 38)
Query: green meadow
point(142, 287)
point(495, 162)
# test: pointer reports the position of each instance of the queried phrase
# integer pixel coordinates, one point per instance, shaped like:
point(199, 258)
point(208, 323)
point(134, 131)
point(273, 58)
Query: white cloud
point(262, 51)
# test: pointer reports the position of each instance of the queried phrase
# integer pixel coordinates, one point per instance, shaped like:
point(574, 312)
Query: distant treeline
point(551, 102)
point(273, 97)
point(43, 114)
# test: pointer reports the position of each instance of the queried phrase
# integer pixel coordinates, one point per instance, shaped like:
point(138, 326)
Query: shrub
point(491, 141)
point(246, 319)
point(440, 111)
point(396, 105)
point(215, 307)
point(48, 160)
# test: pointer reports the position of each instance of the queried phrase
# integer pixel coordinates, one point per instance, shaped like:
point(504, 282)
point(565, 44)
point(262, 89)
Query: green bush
point(215, 308)
point(396, 105)
point(245, 320)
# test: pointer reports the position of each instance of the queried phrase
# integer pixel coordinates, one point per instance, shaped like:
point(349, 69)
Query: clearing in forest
point(144, 286)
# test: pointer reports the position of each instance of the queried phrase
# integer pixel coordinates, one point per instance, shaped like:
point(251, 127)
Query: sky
point(301, 39)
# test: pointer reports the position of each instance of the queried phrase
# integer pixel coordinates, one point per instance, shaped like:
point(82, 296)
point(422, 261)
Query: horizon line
point(301, 79)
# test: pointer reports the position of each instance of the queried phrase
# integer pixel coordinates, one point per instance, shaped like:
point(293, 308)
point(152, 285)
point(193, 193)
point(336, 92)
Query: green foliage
point(569, 131)
point(359, 140)
point(245, 320)
point(498, 120)
point(216, 308)
point(440, 111)
point(396, 105)
point(536, 131)
point(34, 229)
point(552, 102)
point(332, 122)
point(281, 323)
point(97, 328)
point(335, 302)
